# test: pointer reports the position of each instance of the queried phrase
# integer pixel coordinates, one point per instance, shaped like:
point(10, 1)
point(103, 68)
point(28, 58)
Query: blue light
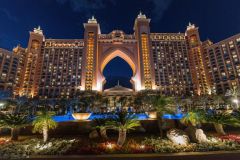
point(63, 118)
point(173, 116)
point(138, 116)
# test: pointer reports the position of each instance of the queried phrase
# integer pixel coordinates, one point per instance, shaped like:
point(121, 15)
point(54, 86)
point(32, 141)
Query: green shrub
point(214, 144)
point(18, 150)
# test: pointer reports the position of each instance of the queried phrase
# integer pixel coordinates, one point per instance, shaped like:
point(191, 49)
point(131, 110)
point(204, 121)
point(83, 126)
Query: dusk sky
point(217, 19)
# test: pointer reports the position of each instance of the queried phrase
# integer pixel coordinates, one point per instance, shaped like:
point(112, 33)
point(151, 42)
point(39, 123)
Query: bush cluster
point(214, 144)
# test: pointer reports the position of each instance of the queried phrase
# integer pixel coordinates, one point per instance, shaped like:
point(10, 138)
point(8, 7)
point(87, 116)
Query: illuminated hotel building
point(11, 67)
point(8, 69)
point(223, 63)
point(173, 63)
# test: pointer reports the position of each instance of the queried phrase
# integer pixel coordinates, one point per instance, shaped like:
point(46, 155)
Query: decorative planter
point(152, 115)
point(81, 116)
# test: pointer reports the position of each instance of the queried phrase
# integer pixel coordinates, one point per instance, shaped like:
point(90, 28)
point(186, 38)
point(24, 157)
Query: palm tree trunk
point(14, 134)
point(160, 121)
point(45, 134)
point(219, 128)
point(103, 133)
point(121, 137)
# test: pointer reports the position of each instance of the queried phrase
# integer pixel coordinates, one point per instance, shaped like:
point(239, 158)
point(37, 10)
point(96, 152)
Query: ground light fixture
point(109, 145)
point(1, 105)
point(236, 101)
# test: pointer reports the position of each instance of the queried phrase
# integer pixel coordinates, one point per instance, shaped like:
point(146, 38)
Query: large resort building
point(172, 63)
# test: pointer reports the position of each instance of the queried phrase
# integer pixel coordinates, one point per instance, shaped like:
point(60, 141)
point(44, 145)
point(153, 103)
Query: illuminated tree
point(14, 122)
point(123, 122)
point(43, 123)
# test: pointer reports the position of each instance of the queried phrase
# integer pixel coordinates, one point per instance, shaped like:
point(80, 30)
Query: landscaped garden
point(144, 123)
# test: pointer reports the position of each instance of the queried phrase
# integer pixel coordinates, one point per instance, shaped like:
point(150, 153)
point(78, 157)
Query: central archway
point(123, 53)
point(117, 71)
point(118, 53)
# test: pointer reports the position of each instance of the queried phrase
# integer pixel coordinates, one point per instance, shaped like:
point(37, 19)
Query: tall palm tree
point(18, 105)
point(203, 101)
point(62, 103)
point(114, 101)
point(122, 100)
point(138, 101)
point(235, 94)
point(217, 100)
point(123, 122)
point(43, 123)
point(188, 103)
point(14, 122)
point(163, 105)
point(33, 103)
point(105, 101)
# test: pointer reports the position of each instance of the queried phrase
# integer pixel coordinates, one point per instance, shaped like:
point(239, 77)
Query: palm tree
point(18, 105)
point(63, 102)
point(105, 102)
point(43, 123)
point(122, 100)
point(217, 100)
point(114, 101)
point(193, 118)
point(138, 101)
point(148, 97)
point(220, 119)
point(203, 101)
point(14, 122)
point(178, 101)
point(123, 122)
point(163, 105)
point(188, 102)
point(235, 94)
point(33, 103)
point(101, 126)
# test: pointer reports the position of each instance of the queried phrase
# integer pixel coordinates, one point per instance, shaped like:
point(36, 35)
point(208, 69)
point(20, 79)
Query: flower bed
point(231, 137)
point(18, 150)
point(23, 149)
point(131, 146)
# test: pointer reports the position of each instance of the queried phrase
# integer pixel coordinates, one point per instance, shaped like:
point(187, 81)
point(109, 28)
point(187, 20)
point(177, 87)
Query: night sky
point(217, 20)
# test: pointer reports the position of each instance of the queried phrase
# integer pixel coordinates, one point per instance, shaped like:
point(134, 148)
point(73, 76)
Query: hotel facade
point(172, 63)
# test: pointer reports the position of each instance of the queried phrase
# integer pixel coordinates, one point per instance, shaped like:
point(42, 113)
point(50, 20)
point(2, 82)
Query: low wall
point(84, 127)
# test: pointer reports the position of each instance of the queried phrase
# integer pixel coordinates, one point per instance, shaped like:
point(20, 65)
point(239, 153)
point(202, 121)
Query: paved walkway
point(216, 155)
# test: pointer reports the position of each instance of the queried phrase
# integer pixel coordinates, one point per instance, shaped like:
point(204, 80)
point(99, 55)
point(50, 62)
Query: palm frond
point(43, 119)
point(13, 120)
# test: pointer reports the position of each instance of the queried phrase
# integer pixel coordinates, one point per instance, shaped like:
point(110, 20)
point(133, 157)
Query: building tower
point(142, 34)
point(22, 61)
point(33, 66)
point(196, 61)
point(92, 29)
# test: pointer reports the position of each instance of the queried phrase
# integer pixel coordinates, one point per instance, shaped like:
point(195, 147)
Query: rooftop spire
point(38, 30)
point(140, 15)
point(190, 26)
point(92, 20)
